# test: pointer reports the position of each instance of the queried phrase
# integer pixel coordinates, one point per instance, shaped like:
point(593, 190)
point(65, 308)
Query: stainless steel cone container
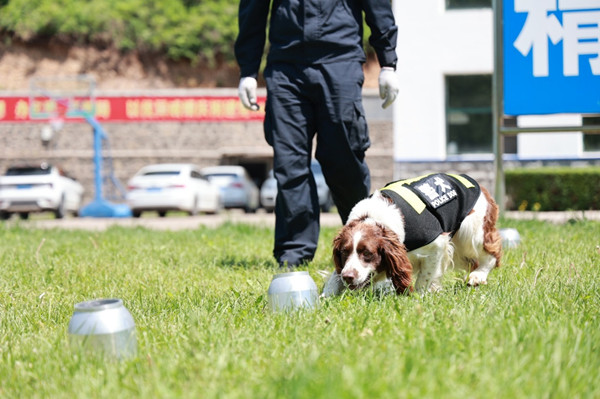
point(510, 238)
point(104, 325)
point(293, 290)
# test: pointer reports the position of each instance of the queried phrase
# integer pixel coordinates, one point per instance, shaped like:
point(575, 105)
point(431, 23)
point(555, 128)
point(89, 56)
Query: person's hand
point(247, 92)
point(388, 86)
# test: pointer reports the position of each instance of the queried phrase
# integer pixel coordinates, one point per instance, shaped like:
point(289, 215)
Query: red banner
point(134, 109)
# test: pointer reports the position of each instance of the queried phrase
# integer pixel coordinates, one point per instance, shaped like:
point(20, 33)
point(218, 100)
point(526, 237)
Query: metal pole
point(497, 106)
point(98, 137)
point(511, 131)
point(395, 108)
point(100, 207)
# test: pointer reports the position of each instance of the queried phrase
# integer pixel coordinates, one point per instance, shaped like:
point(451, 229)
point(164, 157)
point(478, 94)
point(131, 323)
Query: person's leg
point(289, 129)
point(343, 135)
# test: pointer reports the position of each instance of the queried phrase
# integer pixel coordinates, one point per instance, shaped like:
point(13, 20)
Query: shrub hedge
point(553, 189)
point(194, 30)
point(197, 30)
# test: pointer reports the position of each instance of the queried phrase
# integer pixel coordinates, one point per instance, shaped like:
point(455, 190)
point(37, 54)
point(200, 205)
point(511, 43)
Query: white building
point(444, 110)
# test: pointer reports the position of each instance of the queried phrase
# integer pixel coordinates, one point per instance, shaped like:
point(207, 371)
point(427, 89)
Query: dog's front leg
point(429, 279)
point(434, 259)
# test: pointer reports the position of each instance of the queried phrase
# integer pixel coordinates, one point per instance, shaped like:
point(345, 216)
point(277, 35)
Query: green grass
point(204, 330)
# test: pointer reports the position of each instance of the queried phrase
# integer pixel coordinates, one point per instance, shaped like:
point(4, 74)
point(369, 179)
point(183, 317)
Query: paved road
point(179, 222)
point(554, 217)
point(260, 218)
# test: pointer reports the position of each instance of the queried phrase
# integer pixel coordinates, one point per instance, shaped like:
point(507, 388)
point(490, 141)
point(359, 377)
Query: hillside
point(114, 70)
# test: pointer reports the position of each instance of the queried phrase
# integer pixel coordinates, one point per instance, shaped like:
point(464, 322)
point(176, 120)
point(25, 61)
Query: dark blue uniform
point(314, 83)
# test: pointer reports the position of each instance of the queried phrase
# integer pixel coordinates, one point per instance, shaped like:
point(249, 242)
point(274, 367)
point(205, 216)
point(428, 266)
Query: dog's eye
point(367, 255)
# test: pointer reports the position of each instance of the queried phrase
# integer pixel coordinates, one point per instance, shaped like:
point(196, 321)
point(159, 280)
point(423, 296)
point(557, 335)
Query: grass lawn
point(204, 330)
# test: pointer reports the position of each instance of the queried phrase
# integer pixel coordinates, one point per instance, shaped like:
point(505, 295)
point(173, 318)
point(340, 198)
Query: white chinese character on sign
point(428, 190)
point(580, 33)
point(441, 183)
point(538, 27)
point(581, 37)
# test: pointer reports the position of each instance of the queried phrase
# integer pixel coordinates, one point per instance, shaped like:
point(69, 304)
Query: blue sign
point(551, 56)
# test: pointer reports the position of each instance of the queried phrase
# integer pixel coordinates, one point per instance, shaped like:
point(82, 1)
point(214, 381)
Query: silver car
point(268, 190)
point(38, 188)
point(237, 188)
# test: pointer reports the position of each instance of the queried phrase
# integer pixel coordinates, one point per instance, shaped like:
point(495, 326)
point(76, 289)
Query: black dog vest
point(432, 205)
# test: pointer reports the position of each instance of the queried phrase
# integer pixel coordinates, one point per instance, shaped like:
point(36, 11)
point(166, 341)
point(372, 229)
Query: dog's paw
point(477, 278)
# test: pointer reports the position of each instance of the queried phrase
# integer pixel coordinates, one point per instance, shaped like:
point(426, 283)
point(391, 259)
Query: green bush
point(181, 29)
point(553, 189)
point(194, 30)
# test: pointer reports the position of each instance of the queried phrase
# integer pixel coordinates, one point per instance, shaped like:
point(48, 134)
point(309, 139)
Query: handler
point(314, 83)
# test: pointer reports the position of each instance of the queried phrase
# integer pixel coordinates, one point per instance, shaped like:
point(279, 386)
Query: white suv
point(38, 188)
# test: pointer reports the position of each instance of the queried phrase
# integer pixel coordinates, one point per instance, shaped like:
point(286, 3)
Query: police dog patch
point(436, 190)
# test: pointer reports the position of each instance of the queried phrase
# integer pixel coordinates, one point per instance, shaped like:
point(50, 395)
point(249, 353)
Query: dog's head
point(365, 251)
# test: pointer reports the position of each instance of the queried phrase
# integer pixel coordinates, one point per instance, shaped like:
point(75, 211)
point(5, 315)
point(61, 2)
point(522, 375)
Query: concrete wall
point(133, 145)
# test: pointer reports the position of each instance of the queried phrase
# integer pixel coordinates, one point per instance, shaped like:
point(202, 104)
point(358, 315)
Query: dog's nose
point(349, 275)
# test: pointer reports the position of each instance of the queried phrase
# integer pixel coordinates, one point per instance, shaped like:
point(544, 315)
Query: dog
point(405, 236)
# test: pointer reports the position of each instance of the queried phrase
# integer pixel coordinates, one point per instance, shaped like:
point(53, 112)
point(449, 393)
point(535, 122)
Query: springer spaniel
point(406, 235)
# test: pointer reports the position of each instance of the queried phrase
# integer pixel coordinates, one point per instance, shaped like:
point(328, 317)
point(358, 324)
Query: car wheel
point(194, 210)
point(162, 214)
point(24, 215)
point(136, 214)
point(59, 213)
point(4, 215)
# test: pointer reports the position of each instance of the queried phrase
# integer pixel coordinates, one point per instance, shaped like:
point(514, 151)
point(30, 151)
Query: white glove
point(247, 92)
point(388, 86)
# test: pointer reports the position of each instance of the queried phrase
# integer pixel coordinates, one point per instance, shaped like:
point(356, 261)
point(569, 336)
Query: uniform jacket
point(309, 32)
point(432, 205)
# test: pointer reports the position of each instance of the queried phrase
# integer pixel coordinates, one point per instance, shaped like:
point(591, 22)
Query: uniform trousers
point(303, 101)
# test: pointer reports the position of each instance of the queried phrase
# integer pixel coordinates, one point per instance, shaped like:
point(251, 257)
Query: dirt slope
point(114, 70)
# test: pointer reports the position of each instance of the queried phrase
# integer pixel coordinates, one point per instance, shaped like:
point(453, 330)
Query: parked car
point(172, 187)
point(268, 190)
point(237, 188)
point(38, 188)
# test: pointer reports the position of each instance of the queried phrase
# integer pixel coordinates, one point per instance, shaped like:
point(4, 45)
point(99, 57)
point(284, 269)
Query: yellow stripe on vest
point(464, 181)
point(410, 197)
point(414, 179)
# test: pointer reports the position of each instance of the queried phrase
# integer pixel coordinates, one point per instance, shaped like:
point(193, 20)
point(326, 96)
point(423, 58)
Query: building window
point(591, 142)
point(469, 114)
point(454, 4)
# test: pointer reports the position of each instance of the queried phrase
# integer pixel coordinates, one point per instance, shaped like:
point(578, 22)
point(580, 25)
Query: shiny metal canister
point(104, 325)
point(292, 290)
point(510, 238)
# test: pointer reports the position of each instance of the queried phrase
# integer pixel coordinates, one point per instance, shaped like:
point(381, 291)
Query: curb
point(260, 218)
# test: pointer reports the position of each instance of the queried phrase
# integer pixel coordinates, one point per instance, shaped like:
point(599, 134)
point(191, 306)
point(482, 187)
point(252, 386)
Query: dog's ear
point(396, 263)
point(338, 244)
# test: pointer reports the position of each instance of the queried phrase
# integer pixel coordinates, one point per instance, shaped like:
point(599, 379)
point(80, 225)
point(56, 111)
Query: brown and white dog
point(408, 234)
